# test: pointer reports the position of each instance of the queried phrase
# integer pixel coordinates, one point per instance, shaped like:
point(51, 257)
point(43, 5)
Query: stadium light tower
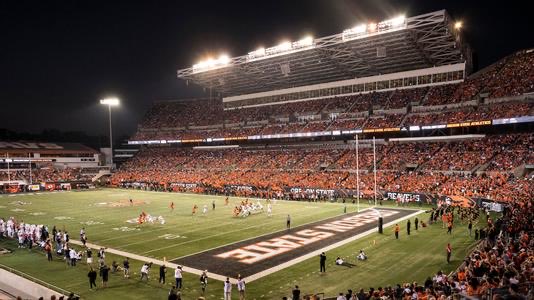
point(110, 102)
point(458, 25)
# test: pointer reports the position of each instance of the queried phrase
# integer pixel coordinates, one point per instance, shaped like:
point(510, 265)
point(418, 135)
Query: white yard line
point(153, 260)
point(185, 233)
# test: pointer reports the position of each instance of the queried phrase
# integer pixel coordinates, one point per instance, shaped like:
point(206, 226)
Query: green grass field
point(104, 214)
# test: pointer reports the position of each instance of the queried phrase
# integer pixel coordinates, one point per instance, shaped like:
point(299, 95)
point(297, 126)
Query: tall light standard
point(110, 102)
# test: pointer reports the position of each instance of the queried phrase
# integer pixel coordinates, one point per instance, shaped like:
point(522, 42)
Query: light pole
point(110, 102)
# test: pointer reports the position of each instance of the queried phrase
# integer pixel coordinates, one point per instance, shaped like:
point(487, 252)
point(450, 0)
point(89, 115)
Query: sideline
point(152, 260)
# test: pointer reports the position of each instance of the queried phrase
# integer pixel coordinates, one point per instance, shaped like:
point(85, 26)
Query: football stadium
point(373, 163)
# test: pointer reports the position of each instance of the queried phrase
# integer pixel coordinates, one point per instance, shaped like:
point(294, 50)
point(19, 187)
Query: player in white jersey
point(205, 209)
point(269, 210)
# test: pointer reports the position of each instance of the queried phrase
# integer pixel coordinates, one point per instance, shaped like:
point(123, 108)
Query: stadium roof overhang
point(423, 41)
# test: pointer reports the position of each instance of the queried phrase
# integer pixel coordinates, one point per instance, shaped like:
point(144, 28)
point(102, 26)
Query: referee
point(288, 222)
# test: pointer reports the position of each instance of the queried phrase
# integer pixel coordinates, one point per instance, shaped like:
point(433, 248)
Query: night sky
point(58, 58)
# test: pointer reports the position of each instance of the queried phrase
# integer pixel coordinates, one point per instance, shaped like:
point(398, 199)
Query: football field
point(111, 221)
point(193, 240)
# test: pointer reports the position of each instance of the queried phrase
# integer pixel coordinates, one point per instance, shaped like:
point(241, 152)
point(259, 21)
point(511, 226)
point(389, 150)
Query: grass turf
point(104, 217)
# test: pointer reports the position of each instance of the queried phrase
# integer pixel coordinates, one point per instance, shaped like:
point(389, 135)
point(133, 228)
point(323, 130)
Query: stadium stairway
point(480, 168)
point(100, 174)
point(522, 170)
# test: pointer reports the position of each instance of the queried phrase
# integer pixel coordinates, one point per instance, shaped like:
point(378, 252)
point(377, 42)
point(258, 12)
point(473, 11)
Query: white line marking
point(155, 261)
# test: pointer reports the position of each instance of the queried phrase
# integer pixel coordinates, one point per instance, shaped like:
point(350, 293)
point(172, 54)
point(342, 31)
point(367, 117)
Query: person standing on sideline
point(449, 252)
point(204, 281)
point(241, 287)
point(126, 267)
point(178, 277)
point(416, 223)
point(162, 271)
point(408, 226)
point(296, 293)
point(104, 273)
point(48, 249)
point(397, 229)
point(73, 257)
point(322, 262)
point(470, 227)
point(89, 255)
point(227, 289)
point(213, 205)
point(144, 271)
point(288, 222)
point(92, 278)
point(449, 227)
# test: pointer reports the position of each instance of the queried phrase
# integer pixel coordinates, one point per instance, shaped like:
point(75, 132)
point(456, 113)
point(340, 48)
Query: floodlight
point(224, 59)
point(284, 46)
point(458, 25)
point(210, 62)
point(307, 41)
point(110, 101)
point(359, 29)
point(372, 27)
point(260, 51)
point(398, 21)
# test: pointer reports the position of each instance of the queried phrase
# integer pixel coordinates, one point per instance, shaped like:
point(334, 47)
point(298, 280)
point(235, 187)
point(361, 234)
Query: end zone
point(258, 257)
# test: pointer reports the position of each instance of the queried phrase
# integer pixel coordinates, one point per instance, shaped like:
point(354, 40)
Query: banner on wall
point(490, 205)
point(34, 187)
point(184, 185)
point(311, 191)
point(406, 197)
point(238, 187)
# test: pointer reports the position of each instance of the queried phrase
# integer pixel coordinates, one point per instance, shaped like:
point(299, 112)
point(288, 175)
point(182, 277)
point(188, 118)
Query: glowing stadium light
point(260, 52)
point(398, 21)
point(284, 46)
point(354, 32)
point(110, 101)
point(458, 25)
point(224, 59)
point(373, 28)
point(359, 29)
point(305, 42)
point(211, 63)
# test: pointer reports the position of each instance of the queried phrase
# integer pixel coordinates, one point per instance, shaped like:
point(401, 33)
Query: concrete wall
point(17, 285)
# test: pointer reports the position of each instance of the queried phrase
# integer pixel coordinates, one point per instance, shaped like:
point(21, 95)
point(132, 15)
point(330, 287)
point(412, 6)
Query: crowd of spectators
point(46, 174)
point(500, 267)
point(454, 115)
point(407, 167)
point(511, 76)
point(401, 98)
point(384, 121)
point(472, 113)
point(515, 78)
point(472, 153)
